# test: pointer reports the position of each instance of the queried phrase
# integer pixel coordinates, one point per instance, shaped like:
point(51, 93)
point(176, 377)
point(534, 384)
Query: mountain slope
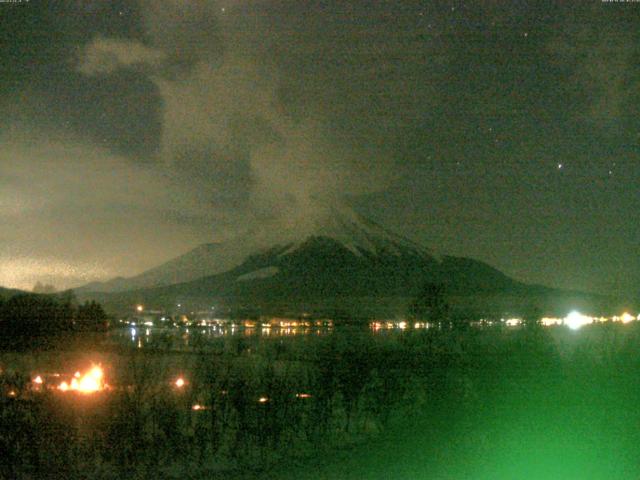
point(332, 260)
point(357, 234)
point(6, 293)
point(206, 259)
point(322, 267)
point(323, 275)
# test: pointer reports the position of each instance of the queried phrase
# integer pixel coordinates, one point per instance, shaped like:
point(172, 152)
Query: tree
point(31, 315)
point(430, 305)
point(28, 316)
point(532, 316)
point(91, 316)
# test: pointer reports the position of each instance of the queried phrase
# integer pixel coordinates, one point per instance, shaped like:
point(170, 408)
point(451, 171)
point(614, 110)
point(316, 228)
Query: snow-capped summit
point(357, 233)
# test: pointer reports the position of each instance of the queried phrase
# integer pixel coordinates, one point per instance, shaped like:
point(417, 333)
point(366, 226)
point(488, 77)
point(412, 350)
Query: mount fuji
point(342, 225)
point(336, 258)
point(338, 240)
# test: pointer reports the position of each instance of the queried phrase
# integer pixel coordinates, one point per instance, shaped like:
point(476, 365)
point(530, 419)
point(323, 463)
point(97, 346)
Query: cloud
point(225, 127)
point(64, 172)
point(24, 272)
point(105, 55)
point(72, 212)
point(259, 131)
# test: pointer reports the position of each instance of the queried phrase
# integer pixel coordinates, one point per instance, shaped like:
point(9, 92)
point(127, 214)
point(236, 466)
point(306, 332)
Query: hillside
point(346, 263)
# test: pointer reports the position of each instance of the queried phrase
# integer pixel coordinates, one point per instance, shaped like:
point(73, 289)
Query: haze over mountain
point(206, 259)
point(337, 261)
point(343, 225)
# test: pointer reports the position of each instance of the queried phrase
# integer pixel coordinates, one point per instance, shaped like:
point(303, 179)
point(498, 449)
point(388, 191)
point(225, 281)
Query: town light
point(575, 320)
point(626, 317)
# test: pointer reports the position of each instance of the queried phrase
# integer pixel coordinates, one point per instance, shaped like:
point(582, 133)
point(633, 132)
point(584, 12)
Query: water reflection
point(188, 337)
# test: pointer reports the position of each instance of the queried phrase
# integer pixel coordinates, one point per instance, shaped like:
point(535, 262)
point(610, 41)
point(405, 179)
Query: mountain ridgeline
point(342, 263)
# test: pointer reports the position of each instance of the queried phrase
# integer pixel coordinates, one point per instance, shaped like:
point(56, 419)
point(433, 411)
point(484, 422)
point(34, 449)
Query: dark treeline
point(28, 317)
point(322, 394)
point(317, 396)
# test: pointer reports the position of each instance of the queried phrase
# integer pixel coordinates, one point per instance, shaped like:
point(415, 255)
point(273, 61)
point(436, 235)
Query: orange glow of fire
point(38, 380)
point(90, 382)
point(179, 382)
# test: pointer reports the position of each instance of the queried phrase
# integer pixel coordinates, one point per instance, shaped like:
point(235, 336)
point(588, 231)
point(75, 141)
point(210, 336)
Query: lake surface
point(174, 350)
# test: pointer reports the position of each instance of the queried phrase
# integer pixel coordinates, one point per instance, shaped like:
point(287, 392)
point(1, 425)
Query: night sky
point(131, 132)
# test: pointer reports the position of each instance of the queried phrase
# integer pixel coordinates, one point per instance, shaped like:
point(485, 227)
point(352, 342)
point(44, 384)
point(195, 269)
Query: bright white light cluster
point(575, 320)
point(550, 321)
